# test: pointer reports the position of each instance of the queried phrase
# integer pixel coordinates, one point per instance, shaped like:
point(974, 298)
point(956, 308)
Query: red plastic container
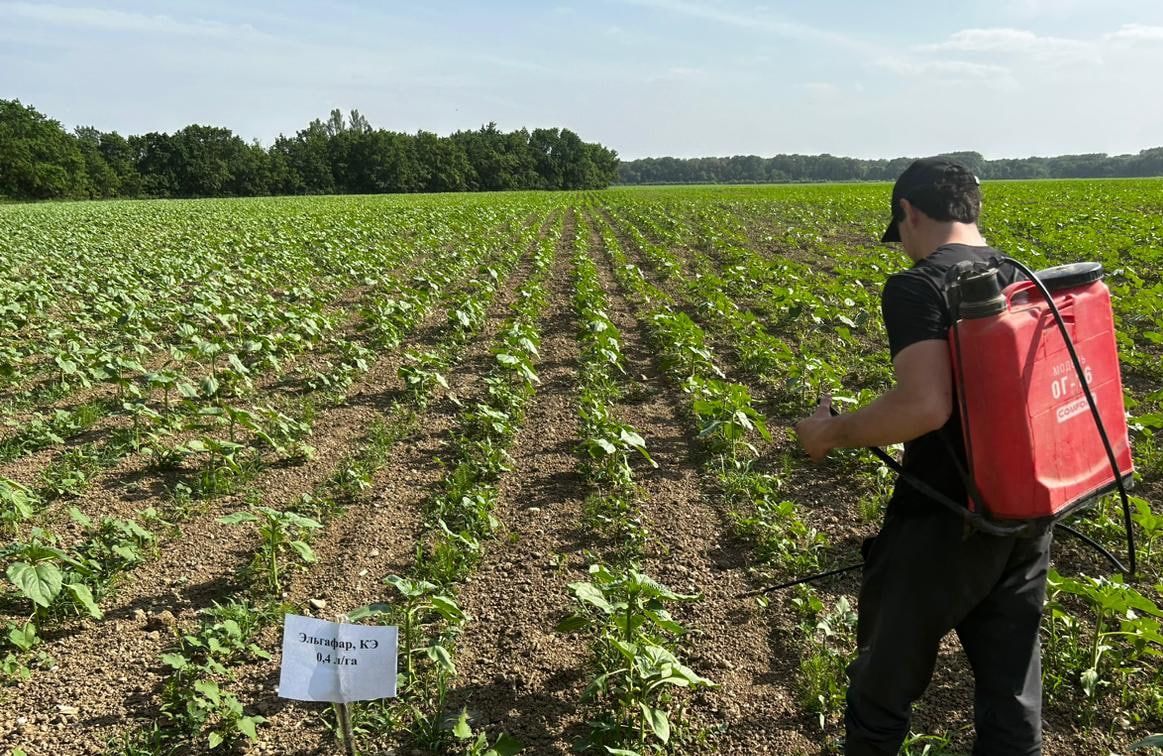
point(1033, 447)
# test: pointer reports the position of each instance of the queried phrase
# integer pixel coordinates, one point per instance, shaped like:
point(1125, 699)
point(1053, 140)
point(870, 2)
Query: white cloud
point(123, 21)
point(945, 69)
point(756, 22)
point(1135, 33)
point(1016, 42)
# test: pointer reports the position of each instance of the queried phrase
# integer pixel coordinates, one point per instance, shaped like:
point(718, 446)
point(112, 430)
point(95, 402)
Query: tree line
point(752, 169)
point(40, 159)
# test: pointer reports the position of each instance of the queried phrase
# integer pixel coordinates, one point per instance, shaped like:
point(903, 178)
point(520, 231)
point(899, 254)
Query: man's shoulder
point(915, 280)
point(929, 273)
point(948, 255)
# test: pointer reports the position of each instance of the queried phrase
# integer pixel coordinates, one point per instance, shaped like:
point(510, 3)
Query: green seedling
point(423, 375)
point(112, 546)
point(1127, 634)
point(193, 704)
point(222, 462)
point(17, 504)
point(479, 746)
point(724, 413)
point(282, 535)
point(632, 633)
point(49, 577)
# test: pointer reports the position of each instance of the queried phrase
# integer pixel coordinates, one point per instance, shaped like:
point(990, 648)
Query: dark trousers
point(924, 577)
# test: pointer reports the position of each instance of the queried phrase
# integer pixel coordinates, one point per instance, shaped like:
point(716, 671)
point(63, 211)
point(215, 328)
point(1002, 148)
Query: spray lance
point(1044, 359)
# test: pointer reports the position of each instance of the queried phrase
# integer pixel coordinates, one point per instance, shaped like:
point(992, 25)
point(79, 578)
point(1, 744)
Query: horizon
point(647, 78)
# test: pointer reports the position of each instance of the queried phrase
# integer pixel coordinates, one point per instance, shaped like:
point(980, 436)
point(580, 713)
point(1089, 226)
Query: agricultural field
point(548, 435)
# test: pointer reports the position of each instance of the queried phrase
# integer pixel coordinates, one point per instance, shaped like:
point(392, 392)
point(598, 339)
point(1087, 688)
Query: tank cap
point(1068, 276)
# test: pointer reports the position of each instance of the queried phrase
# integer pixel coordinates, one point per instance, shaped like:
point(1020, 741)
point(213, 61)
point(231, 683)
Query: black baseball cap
point(934, 185)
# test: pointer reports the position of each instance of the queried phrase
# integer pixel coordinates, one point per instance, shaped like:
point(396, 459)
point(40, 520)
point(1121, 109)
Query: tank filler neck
point(977, 291)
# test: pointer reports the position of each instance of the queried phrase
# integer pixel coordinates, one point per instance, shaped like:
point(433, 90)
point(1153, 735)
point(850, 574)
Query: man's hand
point(813, 430)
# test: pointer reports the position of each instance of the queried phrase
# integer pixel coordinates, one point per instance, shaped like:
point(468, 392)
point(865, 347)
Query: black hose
point(797, 581)
point(1091, 542)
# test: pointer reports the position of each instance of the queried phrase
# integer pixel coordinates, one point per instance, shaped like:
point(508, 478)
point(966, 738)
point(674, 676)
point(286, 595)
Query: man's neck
point(953, 233)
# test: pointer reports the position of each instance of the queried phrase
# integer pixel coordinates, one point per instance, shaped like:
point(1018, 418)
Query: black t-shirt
point(914, 311)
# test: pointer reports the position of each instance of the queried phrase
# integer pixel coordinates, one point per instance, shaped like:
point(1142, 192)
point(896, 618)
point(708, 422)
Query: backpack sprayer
point(1030, 363)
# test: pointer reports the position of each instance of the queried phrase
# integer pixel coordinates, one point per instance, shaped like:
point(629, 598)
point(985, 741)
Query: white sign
point(329, 661)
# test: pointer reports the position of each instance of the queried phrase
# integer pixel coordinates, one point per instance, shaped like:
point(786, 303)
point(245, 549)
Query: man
point(926, 573)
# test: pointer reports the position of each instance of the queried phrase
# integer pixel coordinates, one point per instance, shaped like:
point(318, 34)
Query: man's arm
point(920, 402)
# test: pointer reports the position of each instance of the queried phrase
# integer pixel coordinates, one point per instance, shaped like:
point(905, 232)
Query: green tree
point(101, 181)
point(38, 158)
point(121, 159)
point(157, 161)
point(443, 163)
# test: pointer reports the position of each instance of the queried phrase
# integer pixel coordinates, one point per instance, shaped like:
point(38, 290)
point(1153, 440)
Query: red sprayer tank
point(1033, 447)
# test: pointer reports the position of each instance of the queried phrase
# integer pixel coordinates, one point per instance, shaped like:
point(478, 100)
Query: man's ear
point(907, 210)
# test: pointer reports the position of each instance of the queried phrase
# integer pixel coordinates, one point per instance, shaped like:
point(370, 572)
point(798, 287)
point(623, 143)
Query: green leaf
point(209, 690)
point(461, 729)
point(302, 521)
point(505, 746)
point(761, 426)
point(1151, 741)
point(304, 551)
point(605, 445)
point(448, 608)
point(125, 552)
point(408, 587)
point(246, 725)
point(632, 438)
point(663, 620)
point(84, 597)
point(175, 661)
point(23, 637)
point(590, 594)
point(238, 518)
point(1089, 680)
point(440, 655)
point(367, 611)
point(209, 385)
point(80, 517)
point(626, 649)
point(196, 445)
point(215, 739)
point(236, 365)
point(598, 685)
point(656, 718)
point(40, 583)
point(571, 624)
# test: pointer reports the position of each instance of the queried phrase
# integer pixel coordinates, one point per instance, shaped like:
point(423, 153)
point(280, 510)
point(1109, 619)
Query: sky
point(688, 78)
